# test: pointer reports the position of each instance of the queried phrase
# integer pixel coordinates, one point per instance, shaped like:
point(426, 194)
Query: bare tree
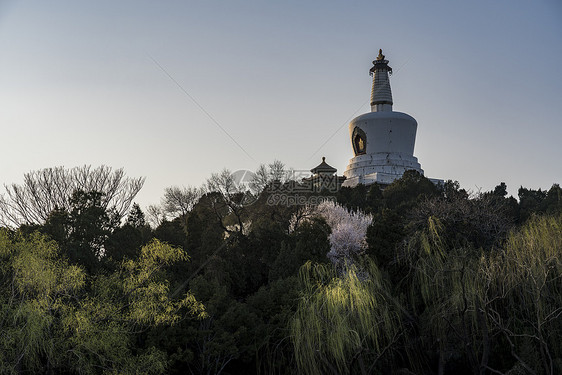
point(47, 189)
point(178, 201)
point(227, 199)
point(265, 175)
point(155, 215)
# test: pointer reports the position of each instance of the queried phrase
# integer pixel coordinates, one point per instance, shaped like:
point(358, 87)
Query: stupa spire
point(381, 95)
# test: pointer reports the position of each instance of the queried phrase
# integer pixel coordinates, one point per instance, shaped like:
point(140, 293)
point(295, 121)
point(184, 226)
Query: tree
point(266, 175)
point(539, 201)
point(448, 296)
point(83, 229)
point(136, 218)
point(57, 319)
point(530, 201)
point(172, 232)
point(347, 240)
point(524, 303)
point(355, 197)
point(228, 198)
point(178, 202)
point(155, 215)
point(408, 190)
point(553, 201)
point(493, 311)
point(345, 323)
point(479, 221)
point(308, 242)
point(205, 235)
point(274, 306)
point(46, 190)
point(225, 335)
point(127, 240)
point(384, 236)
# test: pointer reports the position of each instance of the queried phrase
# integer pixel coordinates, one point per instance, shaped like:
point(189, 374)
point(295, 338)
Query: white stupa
point(383, 140)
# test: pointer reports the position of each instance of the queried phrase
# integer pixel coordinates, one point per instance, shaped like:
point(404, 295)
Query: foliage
point(136, 217)
point(481, 221)
point(309, 241)
point(172, 232)
point(448, 295)
point(524, 299)
point(274, 306)
point(493, 311)
point(539, 201)
point(384, 235)
point(354, 198)
point(55, 318)
point(408, 190)
point(83, 229)
point(398, 279)
point(344, 322)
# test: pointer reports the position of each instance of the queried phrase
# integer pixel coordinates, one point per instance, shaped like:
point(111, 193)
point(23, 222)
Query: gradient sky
point(83, 83)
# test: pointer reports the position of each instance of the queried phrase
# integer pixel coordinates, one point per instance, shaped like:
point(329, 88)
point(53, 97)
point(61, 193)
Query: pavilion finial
point(380, 57)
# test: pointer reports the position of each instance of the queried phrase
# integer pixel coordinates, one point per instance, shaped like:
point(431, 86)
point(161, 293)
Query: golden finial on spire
point(380, 56)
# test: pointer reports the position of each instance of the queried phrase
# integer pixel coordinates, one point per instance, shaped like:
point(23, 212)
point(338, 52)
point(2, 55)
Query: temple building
point(382, 140)
point(324, 178)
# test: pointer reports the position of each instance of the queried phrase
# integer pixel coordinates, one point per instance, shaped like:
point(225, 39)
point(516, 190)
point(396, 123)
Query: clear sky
point(88, 82)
